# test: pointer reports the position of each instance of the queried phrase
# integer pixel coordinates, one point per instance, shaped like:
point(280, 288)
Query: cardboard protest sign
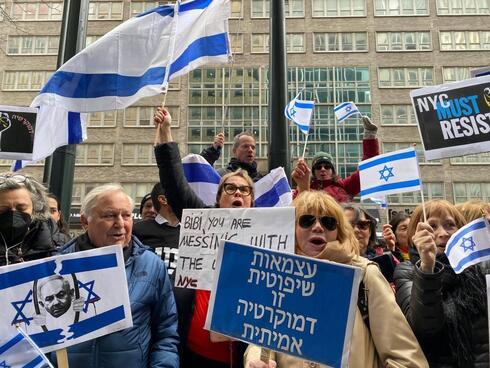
point(17, 128)
point(202, 229)
point(64, 300)
point(291, 304)
point(454, 118)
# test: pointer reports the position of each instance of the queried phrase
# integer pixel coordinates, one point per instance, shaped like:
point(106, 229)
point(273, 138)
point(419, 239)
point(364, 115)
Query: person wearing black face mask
point(25, 228)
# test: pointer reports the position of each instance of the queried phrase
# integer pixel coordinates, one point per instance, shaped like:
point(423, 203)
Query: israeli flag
point(300, 112)
point(394, 172)
point(469, 245)
point(202, 178)
point(273, 190)
point(345, 110)
point(19, 351)
point(381, 201)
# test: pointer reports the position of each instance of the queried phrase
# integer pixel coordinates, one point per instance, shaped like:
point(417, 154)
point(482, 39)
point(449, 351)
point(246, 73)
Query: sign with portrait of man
point(64, 300)
point(17, 130)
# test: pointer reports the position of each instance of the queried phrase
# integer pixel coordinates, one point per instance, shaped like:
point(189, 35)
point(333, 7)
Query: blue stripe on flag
point(196, 4)
point(389, 158)
point(79, 85)
point(304, 105)
point(342, 105)
point(205, 46)
point(75, 134)
point(304, 128)
point(163, 10)
point(204, 173)
point(10, 343)
point(26, 274)
point(381, 188)
point(457, 238)
point(17, 165)
point(33, 363)
point(475, 255)
point(69, 266)
point(48, 338)
point(97, 322)
point(349, 114)
point(271, 197)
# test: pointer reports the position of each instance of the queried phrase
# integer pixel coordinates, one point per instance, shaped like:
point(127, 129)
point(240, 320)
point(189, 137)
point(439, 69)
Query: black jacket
point(434, 306)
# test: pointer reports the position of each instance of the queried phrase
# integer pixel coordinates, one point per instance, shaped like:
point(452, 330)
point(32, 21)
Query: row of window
point(132, 117)
point(106, 10)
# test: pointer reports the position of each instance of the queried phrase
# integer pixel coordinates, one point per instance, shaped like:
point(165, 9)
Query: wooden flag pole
point(421, 192)
point(304, 148)
point(62, 358)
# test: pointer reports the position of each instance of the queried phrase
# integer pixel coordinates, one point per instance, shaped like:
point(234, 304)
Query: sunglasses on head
point(362, 224)
point(18, 178)
point(307, 221)
point(231, 189)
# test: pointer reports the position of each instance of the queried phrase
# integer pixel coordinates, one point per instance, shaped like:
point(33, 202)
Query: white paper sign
point(65, 300)
point(202, 229)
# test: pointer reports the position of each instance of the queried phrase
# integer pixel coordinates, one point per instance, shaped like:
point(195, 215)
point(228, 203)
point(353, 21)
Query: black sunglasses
point(307, 221)
point(361, 224)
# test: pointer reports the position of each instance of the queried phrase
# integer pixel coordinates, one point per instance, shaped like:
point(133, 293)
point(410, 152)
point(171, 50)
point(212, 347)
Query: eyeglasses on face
point(232, 188)
point(307, 221)
point(18, 178)
point(361, 224)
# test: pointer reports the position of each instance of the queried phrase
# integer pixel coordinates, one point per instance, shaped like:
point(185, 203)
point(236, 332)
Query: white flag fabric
point(202, 177)
point(17, 350)
point(381, 201)
point(300, 112)
point(394, 172)
point(344, 110)
point(137, 58)
point(469, 245)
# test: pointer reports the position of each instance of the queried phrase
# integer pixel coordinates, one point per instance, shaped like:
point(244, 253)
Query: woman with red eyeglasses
point(384, 338)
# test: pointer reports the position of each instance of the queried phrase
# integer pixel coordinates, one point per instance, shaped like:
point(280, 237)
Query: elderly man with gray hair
point(106, 216)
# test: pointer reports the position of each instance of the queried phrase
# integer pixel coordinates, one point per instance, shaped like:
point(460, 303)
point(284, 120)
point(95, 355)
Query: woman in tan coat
point(385, 340)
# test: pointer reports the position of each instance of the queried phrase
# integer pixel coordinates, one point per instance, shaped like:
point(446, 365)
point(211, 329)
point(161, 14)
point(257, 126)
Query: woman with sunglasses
point(25, 231)
point(386, 340)
point(235, 190)
point(447, 311)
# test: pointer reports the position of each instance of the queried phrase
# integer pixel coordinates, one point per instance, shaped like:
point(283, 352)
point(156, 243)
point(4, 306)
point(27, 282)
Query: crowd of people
point(413, 311)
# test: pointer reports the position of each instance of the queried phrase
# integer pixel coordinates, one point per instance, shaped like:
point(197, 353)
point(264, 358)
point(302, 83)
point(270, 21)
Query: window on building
point(292, 9)
point(236, 9)
point(338, 8)
point(142, 116)
point(455, 73)
point(401, 7)
point(431, 191)
point(102, 119)
point(137, 7)
point(340, 42)
point(2, 10)
point(295, 43)
point(32, 45)
point(91, 39)
point(463, 7)
point(464, 40)
point(27, 80)
point(37, 11)
point(465, 191)
point(174, 84)
point(476, 159)
point(395, 146)
point(397, 115)
point(236, 41)
point(80, 190)
point(138, 190)
point(96, 154)
point(403, 41)
point(405, 77)
point(135, 154)
point(105, 10)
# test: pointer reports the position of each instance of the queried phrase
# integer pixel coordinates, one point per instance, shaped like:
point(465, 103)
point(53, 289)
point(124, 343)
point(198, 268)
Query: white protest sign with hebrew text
point(65, 300)
point(202, 229)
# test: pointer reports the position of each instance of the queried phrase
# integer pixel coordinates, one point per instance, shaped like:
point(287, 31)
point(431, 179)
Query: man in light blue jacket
point(106, 215)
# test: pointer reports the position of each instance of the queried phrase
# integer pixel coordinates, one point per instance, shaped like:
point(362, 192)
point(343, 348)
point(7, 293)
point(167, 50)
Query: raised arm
point(213, 152)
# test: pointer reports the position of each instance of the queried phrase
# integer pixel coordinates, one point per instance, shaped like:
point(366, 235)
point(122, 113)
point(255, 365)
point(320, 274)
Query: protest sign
point(202, 229)
point(65, 300)
point(291, 304)
point(17, 128)
point(454, 118)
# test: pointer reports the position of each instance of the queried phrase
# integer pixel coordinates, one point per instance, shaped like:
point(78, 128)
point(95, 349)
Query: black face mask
point(14, 226)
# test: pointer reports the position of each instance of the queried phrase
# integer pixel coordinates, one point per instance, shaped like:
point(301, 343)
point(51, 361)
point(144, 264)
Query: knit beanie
point(323, 157)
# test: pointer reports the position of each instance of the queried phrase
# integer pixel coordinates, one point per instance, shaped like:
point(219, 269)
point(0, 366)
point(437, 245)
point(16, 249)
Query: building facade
point(372, 52)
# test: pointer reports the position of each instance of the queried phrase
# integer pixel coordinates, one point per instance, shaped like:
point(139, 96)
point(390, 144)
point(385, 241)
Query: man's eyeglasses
point(307, 221)
point(19, 179)
point(232, 188)
point(362, 224)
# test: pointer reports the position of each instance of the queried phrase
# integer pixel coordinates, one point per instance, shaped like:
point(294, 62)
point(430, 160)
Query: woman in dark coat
point(447, 311)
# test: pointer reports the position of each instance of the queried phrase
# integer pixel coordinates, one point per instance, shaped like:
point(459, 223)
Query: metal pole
point(60, 168)
point(278, 84)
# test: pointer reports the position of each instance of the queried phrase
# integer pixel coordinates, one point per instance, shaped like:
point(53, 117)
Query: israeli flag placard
point(65, 300)
point(394, 172)
point(300, 112)
point(344, 110)
point(469, 245)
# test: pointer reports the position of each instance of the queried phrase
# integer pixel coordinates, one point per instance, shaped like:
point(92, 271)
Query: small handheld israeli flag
point(469, 245)
point(344, 110)
point(300, 112)
point(394, 172)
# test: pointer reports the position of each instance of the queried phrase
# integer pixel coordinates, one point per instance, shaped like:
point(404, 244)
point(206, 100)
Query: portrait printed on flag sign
point(64, 300)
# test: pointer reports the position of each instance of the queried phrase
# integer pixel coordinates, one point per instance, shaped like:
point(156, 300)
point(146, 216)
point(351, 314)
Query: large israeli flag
point(394, 172)
point(469, 245)
point(140, 56)
point(300, 112)
point(344, 110)
point(273, 190)
point(17, 350)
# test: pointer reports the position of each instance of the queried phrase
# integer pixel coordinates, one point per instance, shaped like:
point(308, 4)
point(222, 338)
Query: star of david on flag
point(344, 110)
point(300, 112)
point(389, 173)
point(17, 350)
point(469, 245)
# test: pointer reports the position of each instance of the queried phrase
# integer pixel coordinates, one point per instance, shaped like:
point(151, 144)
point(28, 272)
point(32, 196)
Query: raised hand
point(219, 141)
point(424, 240)
point(389, 237)
point(301, 175)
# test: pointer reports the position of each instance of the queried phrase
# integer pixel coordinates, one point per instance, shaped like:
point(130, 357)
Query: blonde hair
point(241, 173)
point(473, 209)
point(319, 203)
point(434, 208)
